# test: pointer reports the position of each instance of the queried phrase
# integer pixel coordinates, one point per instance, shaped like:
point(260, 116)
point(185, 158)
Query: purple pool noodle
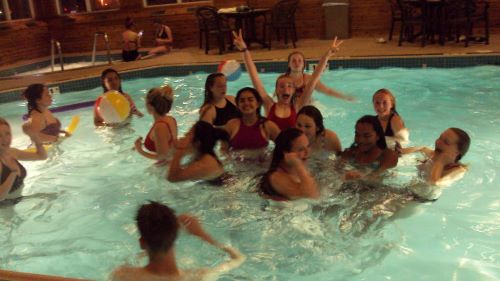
point(67, 107)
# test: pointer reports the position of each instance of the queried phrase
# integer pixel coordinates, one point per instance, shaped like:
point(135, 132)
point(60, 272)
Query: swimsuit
point(283, 123)
point(130, 55)
point(267, 190)
point(52, 129)
point(388, 129)
point(18, 182)
point(249, 137)
point(149, 144)
point(228, 112)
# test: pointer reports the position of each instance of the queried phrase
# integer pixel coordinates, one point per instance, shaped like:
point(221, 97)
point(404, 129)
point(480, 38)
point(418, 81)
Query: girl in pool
point(200, 142)
point(310, 122)
point(218, 108)
point(283, 112)
point(288, 177)
point(369, 149)
point(111, 81)
point(384, 104)
point(296, 67)
point(45, 124)
point(163, 134)
point(12, 173)
point(251, 131)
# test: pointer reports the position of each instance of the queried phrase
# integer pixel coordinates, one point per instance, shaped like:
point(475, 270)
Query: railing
point(53, 45)
point(106, 41)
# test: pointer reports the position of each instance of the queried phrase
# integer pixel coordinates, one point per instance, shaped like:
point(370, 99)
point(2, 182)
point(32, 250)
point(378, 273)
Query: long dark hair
point(158, 226)
point(209, 83)
point(256, 95)
point(315, 114)
point(283, 143)
point(207, 136)
point(32, 94)
point(373, 120)
point(106, 72)
point(463, 142)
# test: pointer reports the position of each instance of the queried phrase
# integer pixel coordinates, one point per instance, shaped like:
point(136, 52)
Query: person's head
point(369, 133)
point(5, 135)
point(215, 87)
point(159, 100)
point(384, 102)
point(289, 140)
point(285, 88)
point(37, 96)
point(454, 141)
point(249, 101)
point(310, 121)
point(296, 62)
point(205, 137)
point(158, 227)
point(111, 80)
point(129, 23)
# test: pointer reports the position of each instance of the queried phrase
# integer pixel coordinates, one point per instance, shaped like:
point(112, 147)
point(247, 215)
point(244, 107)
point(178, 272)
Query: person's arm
point(283, 183)
point(98, 121)
point(320, 87)
point(138, 147)
point(389, 160)
point(400, 132)
point(252, 70)
point(38, 124)
point(9, 181)
point(207, 113)
point(333, 142)
point(204, 168)
point(272, 129)
point(170, 38)
point(39, 154)
point(133, 108)
point(311, 84)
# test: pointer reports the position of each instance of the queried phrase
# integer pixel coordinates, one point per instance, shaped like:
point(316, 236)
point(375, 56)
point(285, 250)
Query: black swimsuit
point(18, 182)
point(388, 129)
point(228, 112)
point(267, 190)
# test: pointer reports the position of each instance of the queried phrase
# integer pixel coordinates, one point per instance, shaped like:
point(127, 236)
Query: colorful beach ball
point(113, 107)
point(230, 68)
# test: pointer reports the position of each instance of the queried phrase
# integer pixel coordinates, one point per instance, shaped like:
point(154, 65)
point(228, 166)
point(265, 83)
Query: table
point(245, 20)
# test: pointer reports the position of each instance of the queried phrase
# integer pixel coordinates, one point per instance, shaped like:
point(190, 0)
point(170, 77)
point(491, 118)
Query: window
point(165, 2)
point(15, 9)
point(85, 6)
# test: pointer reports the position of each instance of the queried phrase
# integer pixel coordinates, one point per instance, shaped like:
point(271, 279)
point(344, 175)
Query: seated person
point(321, 140)
point(160, 140)
point(131, 42)
point(44, 123)
point(163, 39)
point(288, 177)
point(158, 227)
point(369, 150)
point(205, 165)
point(12, 173)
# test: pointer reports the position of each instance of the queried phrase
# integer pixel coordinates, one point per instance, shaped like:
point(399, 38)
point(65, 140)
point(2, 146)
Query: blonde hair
point(161, 99)
point(391, 96)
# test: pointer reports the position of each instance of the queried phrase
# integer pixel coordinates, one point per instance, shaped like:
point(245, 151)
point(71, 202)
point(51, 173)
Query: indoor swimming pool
point(76, 218)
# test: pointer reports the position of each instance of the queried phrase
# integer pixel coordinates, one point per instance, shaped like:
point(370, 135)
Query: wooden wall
point(30, 39)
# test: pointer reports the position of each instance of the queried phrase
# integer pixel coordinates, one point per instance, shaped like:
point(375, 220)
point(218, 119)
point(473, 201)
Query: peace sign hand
point(238, 40)
point(334, 48)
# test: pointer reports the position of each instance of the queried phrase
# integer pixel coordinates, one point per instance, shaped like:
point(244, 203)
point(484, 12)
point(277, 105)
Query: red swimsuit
point(149, 144)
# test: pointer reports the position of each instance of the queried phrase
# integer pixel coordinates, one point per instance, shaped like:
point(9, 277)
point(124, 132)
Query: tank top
point(228, 112)
point(249, 137)
point(149, 144)
point(283, 123)
point(18, 182)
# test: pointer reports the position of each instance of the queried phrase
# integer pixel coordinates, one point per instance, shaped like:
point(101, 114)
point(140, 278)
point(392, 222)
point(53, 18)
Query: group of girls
point(295, 127)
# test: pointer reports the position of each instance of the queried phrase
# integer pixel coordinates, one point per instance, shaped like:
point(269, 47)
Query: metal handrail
point(57, 44)
point(106, 41)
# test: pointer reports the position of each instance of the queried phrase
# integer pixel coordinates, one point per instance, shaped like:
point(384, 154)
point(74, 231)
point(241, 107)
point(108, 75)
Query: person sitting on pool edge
point(111, 81)
point(131, 42)
point(158, 227)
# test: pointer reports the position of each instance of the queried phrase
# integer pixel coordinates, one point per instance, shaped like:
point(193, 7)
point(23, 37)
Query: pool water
point(77, 218)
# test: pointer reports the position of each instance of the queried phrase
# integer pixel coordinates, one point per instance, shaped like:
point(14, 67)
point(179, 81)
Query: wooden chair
point(211, 23)
point(283, 20)
point(461, 15)
point(412, 16)
point(395, 15)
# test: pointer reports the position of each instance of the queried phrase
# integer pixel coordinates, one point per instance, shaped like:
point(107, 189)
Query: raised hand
point(138, 143)
point(238, 40)
point(335, 47)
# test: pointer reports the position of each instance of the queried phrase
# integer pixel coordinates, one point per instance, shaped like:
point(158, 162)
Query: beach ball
point(230, 68)
point(113, 107)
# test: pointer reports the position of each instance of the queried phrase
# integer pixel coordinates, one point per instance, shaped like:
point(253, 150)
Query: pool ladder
point(106, 41)
point(53, 45)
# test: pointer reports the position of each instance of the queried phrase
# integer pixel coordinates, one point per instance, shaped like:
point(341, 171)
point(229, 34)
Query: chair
point(462, 14)
point(412, 15)
point(283, 20)
point(395, 16)
point(211, 23)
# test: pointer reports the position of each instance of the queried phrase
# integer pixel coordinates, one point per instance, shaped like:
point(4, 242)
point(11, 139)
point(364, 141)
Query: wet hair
point(32, 94)
point(391, 96)
point(283, 143)
point(160, 99)
point(373, 120)
point(256, 95)
point(103, 76)
point(463, 142)
point(129, 22)
point(4, 122)
point(315, 114)
point(289, 70)
point(209, 83)
point(158, 226)
point(207, 136)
